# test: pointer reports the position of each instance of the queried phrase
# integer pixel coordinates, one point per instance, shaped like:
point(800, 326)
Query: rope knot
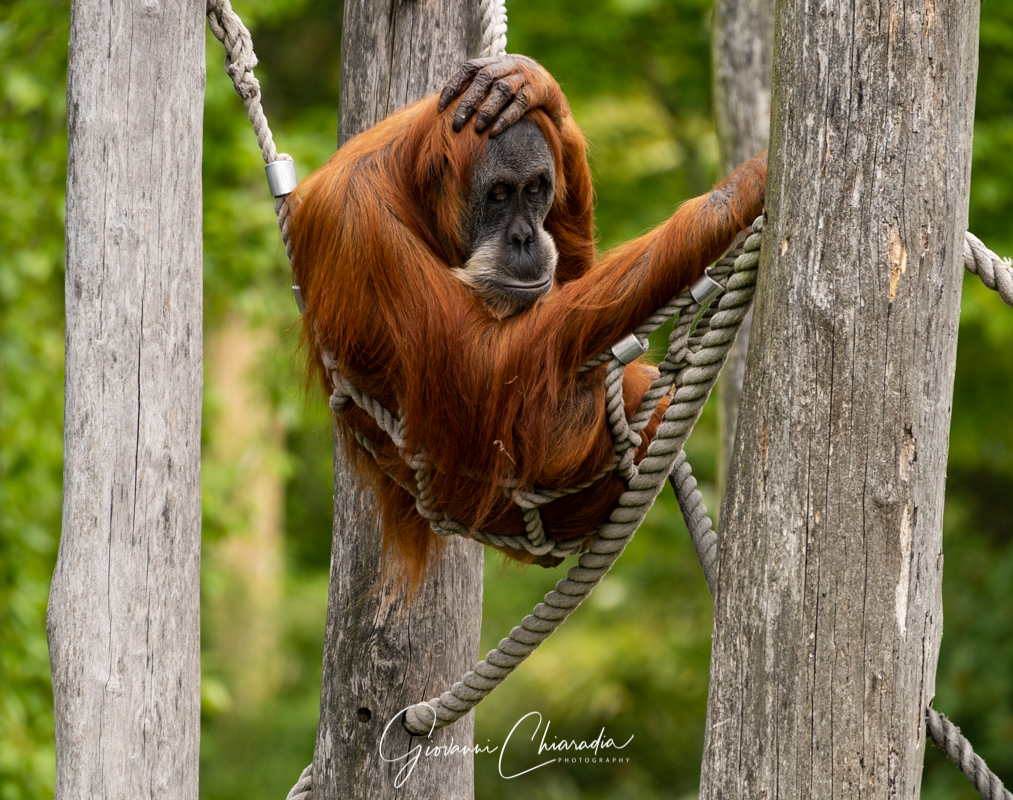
point(247, 86)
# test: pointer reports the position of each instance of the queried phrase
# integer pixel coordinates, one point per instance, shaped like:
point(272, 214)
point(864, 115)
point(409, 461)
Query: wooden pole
point(828, 614)
point(379, 658)
point(741, 52)
point(124, 615)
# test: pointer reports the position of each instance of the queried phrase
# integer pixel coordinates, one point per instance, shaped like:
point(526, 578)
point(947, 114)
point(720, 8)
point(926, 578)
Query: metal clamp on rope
point(706, 288)
point(281, 179)
point(628, 348)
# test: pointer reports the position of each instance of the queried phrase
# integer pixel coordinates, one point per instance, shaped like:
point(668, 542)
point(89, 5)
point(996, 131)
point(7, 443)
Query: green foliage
point(260, 751)
point(973, 684)
point(635, 658)
point(33, 47)
point(637, 74)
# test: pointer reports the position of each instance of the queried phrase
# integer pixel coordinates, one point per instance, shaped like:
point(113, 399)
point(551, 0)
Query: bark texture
point(124, 610)
point(380, 658)
point(828, 614)
point(741, 53)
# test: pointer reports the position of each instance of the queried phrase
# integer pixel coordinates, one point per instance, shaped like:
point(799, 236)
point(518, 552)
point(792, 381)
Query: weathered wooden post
point(124, 616)
point(741, 43)
point(378, 659)
point(828, 613)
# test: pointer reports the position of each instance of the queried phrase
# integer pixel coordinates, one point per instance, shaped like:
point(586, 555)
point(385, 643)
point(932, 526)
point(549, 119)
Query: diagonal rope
point(240, 60)
point(996, 273)
point(694, 512)
point(303, 788)
point(951, 741)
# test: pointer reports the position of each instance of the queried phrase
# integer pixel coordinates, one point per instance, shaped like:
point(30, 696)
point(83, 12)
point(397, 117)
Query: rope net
point(698, 345)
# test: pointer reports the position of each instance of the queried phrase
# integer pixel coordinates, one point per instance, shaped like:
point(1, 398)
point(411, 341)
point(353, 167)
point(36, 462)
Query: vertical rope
point(494, 28)
point(240, 60)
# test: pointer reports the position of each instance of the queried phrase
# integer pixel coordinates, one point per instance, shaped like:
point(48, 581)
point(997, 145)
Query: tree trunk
point(124, 609)
point(741, 53)
point(380, 658)
point(828, 614)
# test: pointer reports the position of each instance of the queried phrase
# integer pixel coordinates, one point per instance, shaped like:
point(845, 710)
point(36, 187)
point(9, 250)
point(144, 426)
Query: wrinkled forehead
point(520, 149)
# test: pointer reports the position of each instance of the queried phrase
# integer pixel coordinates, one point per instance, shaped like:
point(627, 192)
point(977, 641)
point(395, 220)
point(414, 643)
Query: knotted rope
point(692, 365)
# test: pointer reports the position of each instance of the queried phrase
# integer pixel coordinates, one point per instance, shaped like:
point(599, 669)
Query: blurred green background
point(637, 74)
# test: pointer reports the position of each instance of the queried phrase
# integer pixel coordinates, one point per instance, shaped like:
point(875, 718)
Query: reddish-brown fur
point(375, 233)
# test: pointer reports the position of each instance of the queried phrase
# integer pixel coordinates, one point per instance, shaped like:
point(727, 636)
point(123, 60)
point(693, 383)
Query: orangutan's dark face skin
point(511, 258)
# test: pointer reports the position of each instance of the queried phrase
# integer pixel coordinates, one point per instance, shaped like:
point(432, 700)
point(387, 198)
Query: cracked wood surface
point(741, 43)
point(379, 658)
point(828, 615)
point(124, 611)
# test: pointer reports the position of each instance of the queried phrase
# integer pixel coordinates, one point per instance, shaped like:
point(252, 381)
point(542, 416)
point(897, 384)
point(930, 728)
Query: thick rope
point(951, 741)
point(693, 388)
point(996, 273)
point(303, 788)
point(694, 512)
point(494, 27)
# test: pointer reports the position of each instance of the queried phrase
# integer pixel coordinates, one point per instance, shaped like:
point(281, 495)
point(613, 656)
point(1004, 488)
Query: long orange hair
point(375, 233)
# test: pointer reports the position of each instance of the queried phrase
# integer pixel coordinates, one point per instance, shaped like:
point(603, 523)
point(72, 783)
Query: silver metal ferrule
point(281, 179)
point(628, 349)
point(706, 288)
